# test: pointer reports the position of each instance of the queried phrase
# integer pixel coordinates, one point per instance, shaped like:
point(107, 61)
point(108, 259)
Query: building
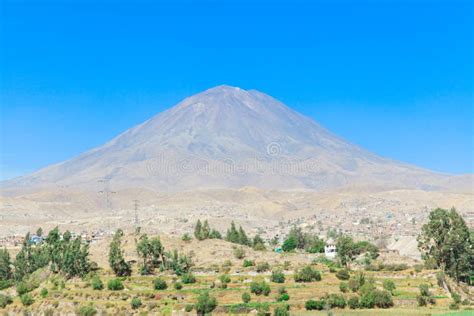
point(330, 249)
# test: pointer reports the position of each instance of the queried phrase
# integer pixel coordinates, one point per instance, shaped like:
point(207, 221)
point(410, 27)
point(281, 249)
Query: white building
point(330, 249)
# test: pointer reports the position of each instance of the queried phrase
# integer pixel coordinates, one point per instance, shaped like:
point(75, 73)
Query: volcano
point(227, 137)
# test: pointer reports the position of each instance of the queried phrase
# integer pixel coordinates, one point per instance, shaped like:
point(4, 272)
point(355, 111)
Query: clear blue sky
point(395, 77)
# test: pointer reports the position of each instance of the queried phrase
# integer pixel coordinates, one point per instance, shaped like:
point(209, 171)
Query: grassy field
point(78, 293)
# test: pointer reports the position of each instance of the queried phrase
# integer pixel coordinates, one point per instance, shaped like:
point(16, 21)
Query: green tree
point(198, 230)
point(346, 250)
point(116, 258)
point(446, 239)
point(205, 303)
point(289, 244)
point(232, 234)
point(152, 252)
point(5, 265)
point(205, 231)
point(243, 239)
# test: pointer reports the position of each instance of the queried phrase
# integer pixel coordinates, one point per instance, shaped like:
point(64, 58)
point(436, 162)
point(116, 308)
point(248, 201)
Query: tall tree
point(116, 258)
point(5, 265)
point(446, 239)
point(198, 230)
point(346, 249)
point(232, 234)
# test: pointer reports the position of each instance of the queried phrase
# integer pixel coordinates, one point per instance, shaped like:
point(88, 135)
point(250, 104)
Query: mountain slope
point(229, 137)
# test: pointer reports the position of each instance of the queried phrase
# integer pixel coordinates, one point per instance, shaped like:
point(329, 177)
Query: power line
point(135, 204)
point(106, 192)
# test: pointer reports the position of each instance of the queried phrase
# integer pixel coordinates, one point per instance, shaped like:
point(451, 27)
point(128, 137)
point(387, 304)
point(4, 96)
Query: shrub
point(278, 276)
point(5, 284)
point(282, 310)
point(382, 299)
point(418, 268)
point(224, 279)
point(343, 287)
point(5, 300)
point(186, 237)
point(263, 267)
point(283, 297)
point(188, 278)
point(88, 310)
point(366, 288)
point(239, 252)
point(97, 283)
point(259, 288)
point(367, 301)
point(248, 263)
point(43, 292)
point(307, 274)
point(160, 284)
point(315, 305)
point(389, 285)
point(343, 274)
point(205, 304)
point(22, 288)
point(178, 285)
point(353, 302)
point(115, 285)
point(246, 297)
point(453, 306)
point(456, 297)
point(188, 308)
point(336, 300)
point(26, 299)
point(353, 285)
point(136, 303)
point(425, 296)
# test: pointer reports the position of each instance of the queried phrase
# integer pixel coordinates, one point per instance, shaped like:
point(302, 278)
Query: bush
point(453, 306)
point(389, 285)
point(353, 302)
point(186, 237)
point(115, 285)
point(282, 310)
point(382, 299)
point(418, 268)
point(259, 288)
point(189, 308)
point(178, 285)
point(5, 300)
point(343, 274)
point(336, 300)
point(205, 304)
point(23, 288)
point(278, 276)
point(343, 287)
point(5, 284)
point(26, 299)
point(239, 253)
point(315, 305)
point(97, 283)
point(88, 310)
point(248, 263)
point(224, 279)
point(456, 298)
point(160, 284)
point(283, 297)
point(246, 297)
point(353, 285)
point(367, 301)
point(44, 292)
point(188, 278)
point(263, 267)
point(307, 274)
point(136, 303)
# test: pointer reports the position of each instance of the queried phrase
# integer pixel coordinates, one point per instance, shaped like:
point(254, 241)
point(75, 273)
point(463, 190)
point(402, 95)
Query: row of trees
point(152, 254)
point(297, 239)
point(233, 235)
point(65, 254)
point(203, 231)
